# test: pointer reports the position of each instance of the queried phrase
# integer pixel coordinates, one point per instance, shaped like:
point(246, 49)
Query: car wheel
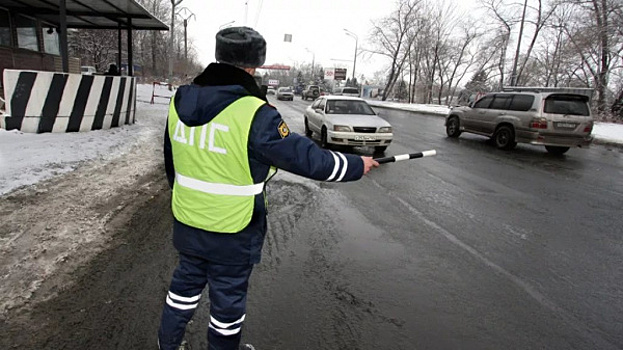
point(324, 142)
point(504, 137)
point(556, 149)
point(315, 94)
point(453, 127)
point(308, 131)
point(380, 149)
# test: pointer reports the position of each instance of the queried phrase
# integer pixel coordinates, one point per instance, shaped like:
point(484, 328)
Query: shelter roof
point(90, 14)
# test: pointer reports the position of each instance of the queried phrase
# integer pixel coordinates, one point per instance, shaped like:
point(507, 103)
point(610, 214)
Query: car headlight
point(342, 128)
point(385, 129)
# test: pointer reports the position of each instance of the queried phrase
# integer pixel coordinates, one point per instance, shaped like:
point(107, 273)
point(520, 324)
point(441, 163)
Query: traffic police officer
point(223, 141)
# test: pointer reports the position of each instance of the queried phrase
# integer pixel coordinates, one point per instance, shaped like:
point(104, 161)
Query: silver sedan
point(347, 121)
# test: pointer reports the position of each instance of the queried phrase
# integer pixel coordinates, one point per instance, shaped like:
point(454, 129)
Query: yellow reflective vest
point(214, 189)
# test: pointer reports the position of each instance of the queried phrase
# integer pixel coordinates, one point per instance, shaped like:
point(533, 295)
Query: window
point(348, 107)
point(567, 104)
point(316, 103)
point(322, 104)
point(521, 103)
point(26, 33)
point(50, 41)
point(5, 29)
point(501, 102)
point(484, 102)
point(350, 91)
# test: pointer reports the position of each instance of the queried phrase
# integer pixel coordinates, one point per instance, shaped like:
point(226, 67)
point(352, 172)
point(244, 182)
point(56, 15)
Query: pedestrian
point(112, 70)
point(223, 142)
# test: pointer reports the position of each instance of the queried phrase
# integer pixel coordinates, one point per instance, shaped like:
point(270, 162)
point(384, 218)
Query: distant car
point(346, 91)
point(311, 91)
point(270, 90)
point(285, 93)
point(556, 120)
point(347, 121)
point(88, 70)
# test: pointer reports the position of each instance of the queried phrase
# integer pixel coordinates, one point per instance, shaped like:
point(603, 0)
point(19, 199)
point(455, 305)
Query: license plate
point(563, 125)
point(365, 138)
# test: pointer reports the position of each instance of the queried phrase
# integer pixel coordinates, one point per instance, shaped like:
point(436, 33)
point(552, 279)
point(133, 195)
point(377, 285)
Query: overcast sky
point(316, 25)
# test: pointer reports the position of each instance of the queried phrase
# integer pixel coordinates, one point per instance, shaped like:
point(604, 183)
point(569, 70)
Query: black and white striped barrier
point(408, 156)
point(38, 102)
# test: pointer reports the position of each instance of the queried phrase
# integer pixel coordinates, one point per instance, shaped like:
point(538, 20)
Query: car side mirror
point(319, 110)
point(471, 104)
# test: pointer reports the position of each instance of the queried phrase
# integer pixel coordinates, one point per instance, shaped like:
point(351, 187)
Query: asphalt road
point(479, 248)
point(475, 248)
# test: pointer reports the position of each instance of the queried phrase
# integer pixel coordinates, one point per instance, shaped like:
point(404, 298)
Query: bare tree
point(542, 18)
point(499, 11)
point(393, 41)
point(596, 36)
point(96, 47)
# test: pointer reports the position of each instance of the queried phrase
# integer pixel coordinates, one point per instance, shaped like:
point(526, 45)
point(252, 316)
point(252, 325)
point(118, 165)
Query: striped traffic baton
point(408, 156)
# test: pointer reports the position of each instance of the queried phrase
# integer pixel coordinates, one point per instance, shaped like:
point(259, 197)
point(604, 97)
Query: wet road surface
point(475, 248)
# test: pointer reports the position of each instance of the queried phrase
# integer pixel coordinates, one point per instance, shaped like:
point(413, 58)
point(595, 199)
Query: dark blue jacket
point(196, 104)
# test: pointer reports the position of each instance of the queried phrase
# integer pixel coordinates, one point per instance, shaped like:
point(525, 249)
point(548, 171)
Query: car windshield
point(350, 91)
point(348, 107)
point(285, 89)
point(566, 104)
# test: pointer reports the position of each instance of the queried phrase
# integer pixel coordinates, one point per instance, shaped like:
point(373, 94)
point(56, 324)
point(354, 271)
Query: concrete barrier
point(38, 102)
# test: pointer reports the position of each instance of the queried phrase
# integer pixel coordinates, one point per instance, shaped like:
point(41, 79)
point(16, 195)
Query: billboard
point(339, 74)
point(335, 74)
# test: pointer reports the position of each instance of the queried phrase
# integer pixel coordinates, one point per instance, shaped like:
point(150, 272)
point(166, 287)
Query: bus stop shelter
point(44, 99)
point(121, 15)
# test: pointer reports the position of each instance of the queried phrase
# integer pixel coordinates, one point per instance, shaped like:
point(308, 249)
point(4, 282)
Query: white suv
point(557, 120)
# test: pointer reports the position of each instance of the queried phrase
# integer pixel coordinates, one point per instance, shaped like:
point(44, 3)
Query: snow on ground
point(605, 132)
point(26, 159)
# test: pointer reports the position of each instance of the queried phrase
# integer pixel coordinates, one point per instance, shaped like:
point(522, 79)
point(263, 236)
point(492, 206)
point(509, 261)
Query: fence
point(161, 94)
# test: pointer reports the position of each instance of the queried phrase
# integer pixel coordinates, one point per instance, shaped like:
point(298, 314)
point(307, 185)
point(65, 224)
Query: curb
point(607, 143)
point(407, 110)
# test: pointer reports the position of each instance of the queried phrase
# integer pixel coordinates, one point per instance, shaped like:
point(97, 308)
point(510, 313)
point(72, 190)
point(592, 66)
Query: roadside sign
point(329, 73)
point(273, 82)
point(339, 74)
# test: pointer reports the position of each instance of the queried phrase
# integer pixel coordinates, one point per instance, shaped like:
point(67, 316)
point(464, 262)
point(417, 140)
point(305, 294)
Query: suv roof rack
point(536, 89)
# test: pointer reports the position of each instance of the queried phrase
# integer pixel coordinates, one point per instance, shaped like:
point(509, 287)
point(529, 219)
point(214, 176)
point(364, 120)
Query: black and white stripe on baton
point(408, 156)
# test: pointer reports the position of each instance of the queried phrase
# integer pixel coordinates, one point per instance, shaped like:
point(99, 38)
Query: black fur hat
point(241, 47)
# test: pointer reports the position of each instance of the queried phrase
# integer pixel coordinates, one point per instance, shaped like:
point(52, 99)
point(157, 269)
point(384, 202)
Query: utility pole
point(313, 59)
point(351, 34)
point(174, 3)
point(523, 18)
point(246, 11)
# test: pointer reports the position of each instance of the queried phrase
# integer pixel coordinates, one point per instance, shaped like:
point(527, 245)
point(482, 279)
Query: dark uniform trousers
point(227, 285)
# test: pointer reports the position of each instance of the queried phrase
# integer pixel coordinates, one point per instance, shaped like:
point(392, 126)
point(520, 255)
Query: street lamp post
point(351, 34)
point(186, 19)
point(225, 25)
point(313, 59)
point(174, 3)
